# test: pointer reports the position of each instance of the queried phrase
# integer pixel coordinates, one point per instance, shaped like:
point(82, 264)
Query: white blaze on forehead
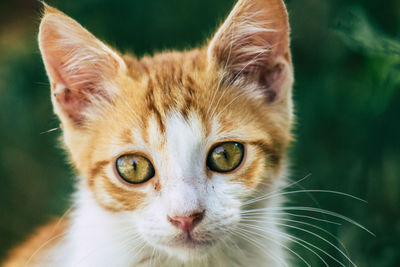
point(185, 141)
point(184, 180)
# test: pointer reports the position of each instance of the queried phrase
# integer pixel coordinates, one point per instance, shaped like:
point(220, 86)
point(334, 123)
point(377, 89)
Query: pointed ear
point(252, 46)
point(82, 70)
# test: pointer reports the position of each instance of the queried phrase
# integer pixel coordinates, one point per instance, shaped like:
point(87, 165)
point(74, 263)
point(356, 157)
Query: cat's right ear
point(83, 71)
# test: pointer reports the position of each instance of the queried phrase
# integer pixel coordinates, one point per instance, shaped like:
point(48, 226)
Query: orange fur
point(30, 250)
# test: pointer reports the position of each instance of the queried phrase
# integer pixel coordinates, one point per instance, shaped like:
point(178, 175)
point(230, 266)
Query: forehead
point(168, 82)
point(175, 96)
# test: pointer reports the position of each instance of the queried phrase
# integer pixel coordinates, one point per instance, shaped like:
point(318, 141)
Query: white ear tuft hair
point(252, 45)
point(80, 67)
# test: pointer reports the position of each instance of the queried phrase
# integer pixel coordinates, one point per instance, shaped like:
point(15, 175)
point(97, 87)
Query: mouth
point(192, 243)
point(187, 241)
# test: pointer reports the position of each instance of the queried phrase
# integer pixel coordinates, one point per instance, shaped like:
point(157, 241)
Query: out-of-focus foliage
point(347, 62)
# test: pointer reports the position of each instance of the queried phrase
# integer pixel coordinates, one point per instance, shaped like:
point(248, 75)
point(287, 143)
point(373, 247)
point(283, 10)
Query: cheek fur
point(256, 168)
point(252, 175)
point(116, 198)
point(109, 194)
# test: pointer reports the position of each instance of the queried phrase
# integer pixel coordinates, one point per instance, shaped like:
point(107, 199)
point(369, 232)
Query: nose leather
point(187, 223)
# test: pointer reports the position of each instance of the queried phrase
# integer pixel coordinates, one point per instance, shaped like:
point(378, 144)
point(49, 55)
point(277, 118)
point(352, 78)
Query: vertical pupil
point(225, 154)
point(134, 165)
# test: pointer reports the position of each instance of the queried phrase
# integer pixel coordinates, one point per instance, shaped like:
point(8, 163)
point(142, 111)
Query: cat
point(174, 152)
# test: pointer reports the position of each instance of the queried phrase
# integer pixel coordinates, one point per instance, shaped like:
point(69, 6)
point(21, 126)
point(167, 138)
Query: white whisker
point(311, 209)
point(239, 233)
point(314, 234)
point(278, 190)
point(244, 231)
point(44, 245)
point(292, 238)
point(293, 215)
point(50, 130)
point(306, 191)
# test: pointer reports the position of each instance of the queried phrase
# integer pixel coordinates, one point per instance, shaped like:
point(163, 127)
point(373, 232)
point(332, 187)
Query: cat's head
point(175, 143)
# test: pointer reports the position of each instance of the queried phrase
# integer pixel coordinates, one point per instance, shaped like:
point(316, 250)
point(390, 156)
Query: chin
point(188, 252)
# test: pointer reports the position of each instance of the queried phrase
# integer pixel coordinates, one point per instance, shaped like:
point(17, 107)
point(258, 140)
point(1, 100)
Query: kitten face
point(177, 138)
point(173, 109)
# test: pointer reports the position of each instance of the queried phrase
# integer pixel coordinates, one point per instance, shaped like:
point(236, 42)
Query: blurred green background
point(347, 64)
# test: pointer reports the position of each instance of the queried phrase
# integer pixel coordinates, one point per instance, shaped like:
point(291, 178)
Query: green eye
point(134, 169)
point(225, 157)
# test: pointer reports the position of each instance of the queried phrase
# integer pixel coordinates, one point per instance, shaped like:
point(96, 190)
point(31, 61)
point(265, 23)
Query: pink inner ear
point(78, 64)
point(273, 80)
point(72, 87)
point(73, 103)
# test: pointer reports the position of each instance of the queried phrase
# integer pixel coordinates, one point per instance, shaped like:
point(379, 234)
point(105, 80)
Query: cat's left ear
point(252, 46)
point(83, 71)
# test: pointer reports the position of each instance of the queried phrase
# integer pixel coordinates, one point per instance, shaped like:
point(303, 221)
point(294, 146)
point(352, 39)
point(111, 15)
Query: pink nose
point(187, 223)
